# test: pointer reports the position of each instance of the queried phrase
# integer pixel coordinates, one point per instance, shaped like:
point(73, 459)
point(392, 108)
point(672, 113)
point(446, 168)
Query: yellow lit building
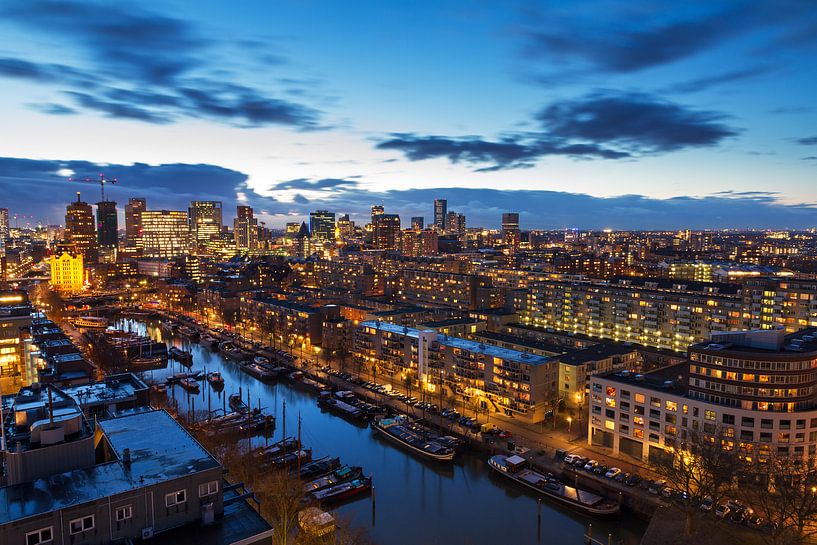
point(67, 270)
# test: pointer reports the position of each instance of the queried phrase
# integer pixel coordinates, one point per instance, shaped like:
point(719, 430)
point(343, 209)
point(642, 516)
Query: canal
point(416, 501)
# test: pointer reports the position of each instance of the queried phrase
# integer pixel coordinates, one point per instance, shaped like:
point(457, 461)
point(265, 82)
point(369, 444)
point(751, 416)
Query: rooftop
point(762, 341)
point(670, 379)
point(595, 353)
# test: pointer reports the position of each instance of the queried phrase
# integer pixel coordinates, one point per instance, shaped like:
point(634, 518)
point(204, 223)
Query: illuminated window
point(671, 405)
point(610, 425)
point(610, 402)
point(639, 398)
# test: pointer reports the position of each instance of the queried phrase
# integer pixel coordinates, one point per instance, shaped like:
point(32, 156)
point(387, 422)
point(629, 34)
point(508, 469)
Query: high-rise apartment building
point(322, 224)
point(80, 229)
point(454, 222)
point(510, 229)
point(67, 269)
point(4, 224)
point(387, 232)
point(417, 223)
point(245, 229)
point(377, 210)
point(440, 212)
point(107, 224)
point(133, 221)
point(165, 233)
point(205, 223)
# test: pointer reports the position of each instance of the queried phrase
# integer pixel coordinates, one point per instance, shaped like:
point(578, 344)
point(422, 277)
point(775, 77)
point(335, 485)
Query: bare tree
point(702, 466)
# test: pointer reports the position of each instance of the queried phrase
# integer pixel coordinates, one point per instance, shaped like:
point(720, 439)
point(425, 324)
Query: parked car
point(632, 480)
point(590, 465)
point(621, 477)
point(570, 458)
point(707, 503)
point(612, 473)
point(722, 511)
point(503, 434)
point(600, 469)
point(738, 516)
point(656, 487)
point(581, 462)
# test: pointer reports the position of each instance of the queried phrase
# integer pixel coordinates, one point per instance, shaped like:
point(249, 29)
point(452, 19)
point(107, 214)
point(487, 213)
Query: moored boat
point(285, 460)
point(188, 332)
point(397, 430)
point(180, 355)
point(260, 360)
point(232, 352)
point(215, 379)
point(189, 384)
point(516, 468)
point(280, 448)
point(343, 491)
point(340, 475)
point(334, 403)
point(237, 404)
point(257, 371)
point(209, 342)
point(320, 467)
point(90, 322)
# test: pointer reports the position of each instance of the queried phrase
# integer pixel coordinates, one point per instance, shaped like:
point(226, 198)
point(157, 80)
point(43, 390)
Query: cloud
point(172, 70)
point(52, 108)
point(707, 82)
point(601, 125)
point(305, 184)
point(807, 141)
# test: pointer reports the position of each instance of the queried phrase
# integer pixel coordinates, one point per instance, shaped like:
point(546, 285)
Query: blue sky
point(590, 114)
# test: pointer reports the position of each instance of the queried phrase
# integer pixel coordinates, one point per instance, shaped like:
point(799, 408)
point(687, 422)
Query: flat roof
point(112, 389)
point(166, 452)
point(595, 353)
point(507, 354)
point(554, 349)
point(658, 380)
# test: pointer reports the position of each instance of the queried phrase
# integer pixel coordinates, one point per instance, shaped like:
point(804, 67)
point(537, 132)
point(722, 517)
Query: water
point(417, 501)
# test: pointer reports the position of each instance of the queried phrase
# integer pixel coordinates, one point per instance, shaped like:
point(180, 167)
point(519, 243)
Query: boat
point(148, 361)
point(180, 355)
point(244, 424)
point(320, 467)
point(334, 403)
point(189, 332)
point(260, 360)
point(189, 384)
point(397, 429)
point(90, 322)
point(340, 475)
point(209, 342)
point(257, 371)
point(159, 388)
point(283, 446)
point(298, 378)
point(516, 469)
point(237, 404)
point(232, 352)
point(215, 379)
point(285, 460)
point(168, 327)
point(343, 491)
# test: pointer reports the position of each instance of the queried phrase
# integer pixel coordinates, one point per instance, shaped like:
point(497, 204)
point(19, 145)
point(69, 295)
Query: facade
point(15, 323)
point(753, 391)
point(205, 223)
point(67, 269)
point(510, 229)
point(284, 323)
point(492, 378)
point(322, 224)
point(418, 223)
point(387, 232)
point(165, 233)
point(245, 229)
point(780, 302)
point(107, 224)
point(133, 221)
point(80, 229)
point(440, 213)
point(418, 243)
point(4, 224)
point(443, 289)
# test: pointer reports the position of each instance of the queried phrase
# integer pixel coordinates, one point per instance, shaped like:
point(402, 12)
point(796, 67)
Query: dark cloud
point(702, 84)
point(52, 108)
point(628, 38)
point(602, 125)
point(145, 66)
point(322, 184)
point(807, 141)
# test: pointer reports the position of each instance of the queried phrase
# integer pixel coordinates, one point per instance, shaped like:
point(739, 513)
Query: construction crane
point(102, 180)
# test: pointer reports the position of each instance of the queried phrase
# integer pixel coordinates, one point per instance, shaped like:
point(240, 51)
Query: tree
point(784, 491)
point(701, 466)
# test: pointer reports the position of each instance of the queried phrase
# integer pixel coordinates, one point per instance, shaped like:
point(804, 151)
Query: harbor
point(414, 499)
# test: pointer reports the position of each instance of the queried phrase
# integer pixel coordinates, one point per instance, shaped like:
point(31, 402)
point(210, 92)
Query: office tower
point(440, 211)
point(133, 221)
point(455, 223)
point(510, 229)
point(322, 224)
point(80, 229)
point(292, 229)
point(377, 210)
point(245, 229)
point(165, 233)
point(346, 227)
point(4, 224)
point(205, 223)
point(67, 269)
point(107, 224)
point(417, 223)
point(387, 232)
point(419, 242)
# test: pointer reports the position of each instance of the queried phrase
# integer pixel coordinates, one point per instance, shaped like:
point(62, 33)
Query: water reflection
point(416, 501)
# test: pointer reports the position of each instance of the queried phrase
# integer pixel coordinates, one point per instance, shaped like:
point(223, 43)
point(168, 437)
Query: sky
point(588, 114)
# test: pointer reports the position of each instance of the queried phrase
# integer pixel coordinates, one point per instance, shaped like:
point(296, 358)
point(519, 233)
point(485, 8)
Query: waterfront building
point(440, 213)
point(206, 224)
point(165, 233)
point(284, 323)
point(752, 390)
point(67, 269)
point(322, 225)
point(107, 224)
point(80, 229)
point(245, 229)
point(492, 378)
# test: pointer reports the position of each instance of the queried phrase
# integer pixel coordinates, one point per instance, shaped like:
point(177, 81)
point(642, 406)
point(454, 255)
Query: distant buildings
point(418, 223)
point(322, 225)
point(510, 229)
point(107, 224)
point(67, 269)
point(205, 224)
point(15, 321)
point(4, 224)
point(387, 232)
point(165, 233)
point(245, 229)
point(440, 213)
point(80, 229)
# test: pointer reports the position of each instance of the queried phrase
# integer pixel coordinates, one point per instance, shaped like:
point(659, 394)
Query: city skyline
point(586, 116)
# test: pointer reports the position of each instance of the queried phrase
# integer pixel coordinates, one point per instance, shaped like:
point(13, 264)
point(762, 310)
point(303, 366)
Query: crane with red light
point(102, 180)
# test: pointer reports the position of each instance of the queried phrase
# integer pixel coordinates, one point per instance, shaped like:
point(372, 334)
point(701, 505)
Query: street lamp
point(569, 423)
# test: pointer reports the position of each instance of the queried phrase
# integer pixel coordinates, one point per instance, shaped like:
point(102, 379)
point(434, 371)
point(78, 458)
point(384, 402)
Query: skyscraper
point(205, 223)
point(510, 229)
point(440, 211)
point(80, 229)
point(387, 232)
point(346, 227)
point(133, 221)
point(245, 229)
point(107, 224)
point(165, 233)
point(322, 224)
point(455, 223)
point(4, 224)
point(377, 210)
point(417, 223)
